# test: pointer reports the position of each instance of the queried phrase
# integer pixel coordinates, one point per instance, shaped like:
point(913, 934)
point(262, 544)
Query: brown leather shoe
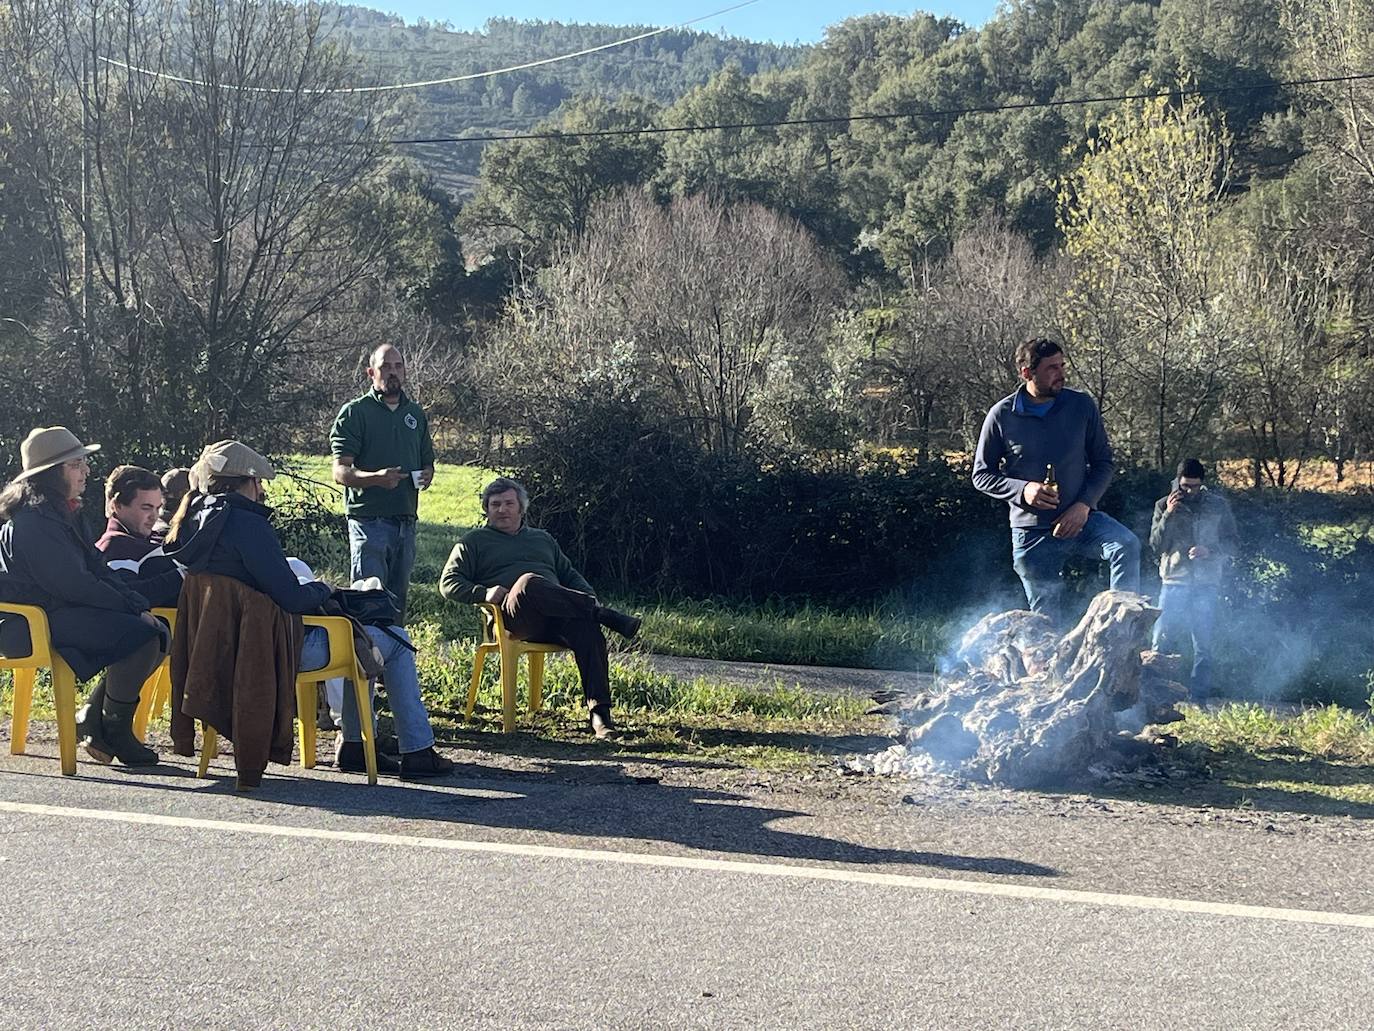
point(603, 726)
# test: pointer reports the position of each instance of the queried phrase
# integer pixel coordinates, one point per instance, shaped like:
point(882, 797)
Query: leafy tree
point(1139, 221)
point(535, 191)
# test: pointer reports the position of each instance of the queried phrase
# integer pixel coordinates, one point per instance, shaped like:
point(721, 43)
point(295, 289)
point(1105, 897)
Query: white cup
point(416, 477)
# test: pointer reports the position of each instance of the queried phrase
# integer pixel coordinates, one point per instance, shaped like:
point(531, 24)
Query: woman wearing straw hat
point(96, 621)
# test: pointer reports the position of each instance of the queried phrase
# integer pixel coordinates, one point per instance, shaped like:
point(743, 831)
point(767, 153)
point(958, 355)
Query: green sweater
point(489, 558)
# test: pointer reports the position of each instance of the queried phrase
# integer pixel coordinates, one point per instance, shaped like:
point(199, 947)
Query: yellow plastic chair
point(157, 689)
point(497, 639)
point(343, 662)
point(42, 656)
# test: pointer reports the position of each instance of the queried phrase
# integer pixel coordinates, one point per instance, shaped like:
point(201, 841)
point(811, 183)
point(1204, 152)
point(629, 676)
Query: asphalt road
point(590, 899)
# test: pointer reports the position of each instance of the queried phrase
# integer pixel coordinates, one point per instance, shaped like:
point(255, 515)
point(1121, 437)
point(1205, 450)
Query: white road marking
point(757, 869)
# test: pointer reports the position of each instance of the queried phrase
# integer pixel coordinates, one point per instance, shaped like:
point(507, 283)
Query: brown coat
point(235, 657)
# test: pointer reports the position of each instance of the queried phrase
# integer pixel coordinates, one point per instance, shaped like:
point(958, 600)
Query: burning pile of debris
point(1027, 708)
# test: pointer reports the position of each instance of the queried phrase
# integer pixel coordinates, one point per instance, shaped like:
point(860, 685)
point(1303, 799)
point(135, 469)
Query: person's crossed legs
point(537, 609)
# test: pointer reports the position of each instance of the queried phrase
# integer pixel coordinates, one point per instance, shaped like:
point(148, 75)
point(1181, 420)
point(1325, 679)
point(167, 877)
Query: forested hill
point(661, 68)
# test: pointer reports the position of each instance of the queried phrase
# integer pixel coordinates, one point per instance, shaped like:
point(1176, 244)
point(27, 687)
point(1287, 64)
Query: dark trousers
point(537, 609)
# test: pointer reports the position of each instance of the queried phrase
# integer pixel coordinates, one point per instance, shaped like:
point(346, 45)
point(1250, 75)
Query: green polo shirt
point(378, 438)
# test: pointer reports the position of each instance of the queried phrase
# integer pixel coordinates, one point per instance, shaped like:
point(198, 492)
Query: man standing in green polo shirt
point(383, 457)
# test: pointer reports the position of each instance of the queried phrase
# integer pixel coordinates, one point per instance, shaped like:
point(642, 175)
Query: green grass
point(1330, 732)
point(877, 637)
point(1319, 760)
point(445, 670)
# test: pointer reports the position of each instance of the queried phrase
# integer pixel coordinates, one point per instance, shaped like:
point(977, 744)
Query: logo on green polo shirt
point(411, 421)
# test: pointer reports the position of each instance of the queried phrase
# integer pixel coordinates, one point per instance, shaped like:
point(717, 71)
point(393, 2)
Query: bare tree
point(198, 239)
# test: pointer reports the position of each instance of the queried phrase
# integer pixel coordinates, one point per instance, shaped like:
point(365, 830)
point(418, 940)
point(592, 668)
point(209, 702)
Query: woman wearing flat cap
point(95, 620)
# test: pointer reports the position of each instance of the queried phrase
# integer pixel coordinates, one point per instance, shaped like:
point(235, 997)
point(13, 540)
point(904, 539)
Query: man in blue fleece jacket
point(1045, 424)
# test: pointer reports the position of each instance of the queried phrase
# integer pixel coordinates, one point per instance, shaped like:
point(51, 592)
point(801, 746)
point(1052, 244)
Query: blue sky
point(782, 21)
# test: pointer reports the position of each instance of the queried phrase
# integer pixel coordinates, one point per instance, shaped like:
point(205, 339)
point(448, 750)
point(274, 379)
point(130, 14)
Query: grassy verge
point(445, 671)
point(879, 637)
point(1330, 732)
point(668, 718)
point(1317, 760)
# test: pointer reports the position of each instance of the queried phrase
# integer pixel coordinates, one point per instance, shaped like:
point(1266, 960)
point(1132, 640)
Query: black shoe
point(115, 738)
point(424, 763)
point(603, 726)
point(350, 758)
point(621, 622)
point(387, 743)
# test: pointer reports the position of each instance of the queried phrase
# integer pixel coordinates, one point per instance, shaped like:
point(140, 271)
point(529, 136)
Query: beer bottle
point(1050, 481)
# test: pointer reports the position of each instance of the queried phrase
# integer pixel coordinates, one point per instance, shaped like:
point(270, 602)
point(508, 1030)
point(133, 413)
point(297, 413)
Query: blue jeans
point(1038, 557)
point(1189, 610)
point(384, 548)
point(413, 731)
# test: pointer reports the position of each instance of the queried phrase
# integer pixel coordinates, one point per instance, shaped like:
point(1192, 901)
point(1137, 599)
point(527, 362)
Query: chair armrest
point(494, 621)
point(37, 618)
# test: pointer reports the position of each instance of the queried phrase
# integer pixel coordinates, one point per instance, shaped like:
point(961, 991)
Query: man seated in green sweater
point(542, 597)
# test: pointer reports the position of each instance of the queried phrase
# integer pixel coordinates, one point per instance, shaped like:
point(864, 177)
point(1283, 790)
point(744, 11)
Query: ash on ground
point(1026, 708)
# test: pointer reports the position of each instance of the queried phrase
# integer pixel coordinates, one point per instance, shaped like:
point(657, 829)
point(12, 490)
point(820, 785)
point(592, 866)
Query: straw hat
point(49, 446)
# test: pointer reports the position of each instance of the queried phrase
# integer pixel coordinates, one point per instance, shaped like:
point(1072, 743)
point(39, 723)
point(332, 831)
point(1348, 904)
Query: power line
point(392, 87)
point(1030, 105)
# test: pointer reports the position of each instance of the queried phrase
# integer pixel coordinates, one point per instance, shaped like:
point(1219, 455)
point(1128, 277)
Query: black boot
point(88, 716)
point(115, 739)
point(621, 622)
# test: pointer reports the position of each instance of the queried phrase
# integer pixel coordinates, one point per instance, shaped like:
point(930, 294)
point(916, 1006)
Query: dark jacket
point(1204, 520)
point(143, 565)
point(228, 535)
point(1014, 449)
point(45, 562)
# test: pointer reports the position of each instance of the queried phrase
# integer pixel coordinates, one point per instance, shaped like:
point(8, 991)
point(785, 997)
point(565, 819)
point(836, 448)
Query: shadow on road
point(597, 801)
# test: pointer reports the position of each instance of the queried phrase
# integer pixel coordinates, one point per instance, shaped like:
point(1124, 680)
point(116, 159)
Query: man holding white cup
point(383, 457)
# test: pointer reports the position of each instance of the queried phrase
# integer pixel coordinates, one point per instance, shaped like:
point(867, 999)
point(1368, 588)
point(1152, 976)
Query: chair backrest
point(343, 660)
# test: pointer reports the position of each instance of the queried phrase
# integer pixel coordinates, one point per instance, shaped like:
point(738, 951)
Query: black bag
point(370, 608)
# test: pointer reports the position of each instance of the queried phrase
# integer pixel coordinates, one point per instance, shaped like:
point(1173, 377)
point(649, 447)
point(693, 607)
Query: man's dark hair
point(1032, 352)
point(1192, 469)
point(128, 480)
point(502, 484)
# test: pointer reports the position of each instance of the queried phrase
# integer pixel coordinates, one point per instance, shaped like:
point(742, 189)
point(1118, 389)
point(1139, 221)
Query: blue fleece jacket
point(1014, 449)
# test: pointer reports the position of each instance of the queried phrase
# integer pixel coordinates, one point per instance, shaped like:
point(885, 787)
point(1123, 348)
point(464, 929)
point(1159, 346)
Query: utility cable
point(392, 87)
point(875, 117)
